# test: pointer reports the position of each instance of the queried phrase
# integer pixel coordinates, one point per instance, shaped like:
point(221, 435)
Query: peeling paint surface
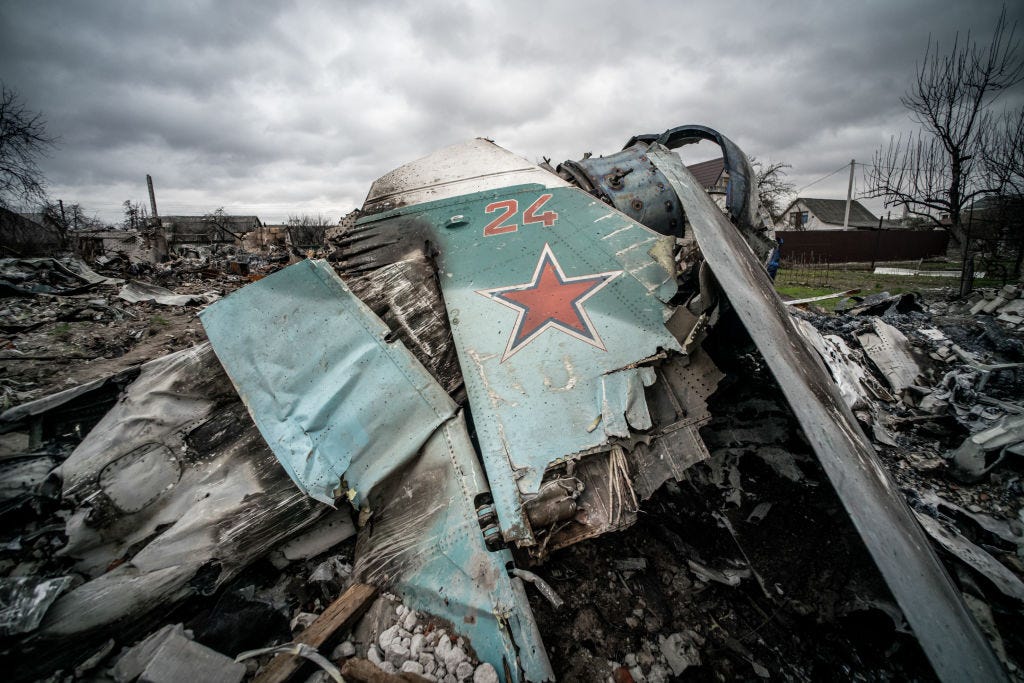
point(527, 419)
point(425, 540)
point(327, 389)
point(366, 412)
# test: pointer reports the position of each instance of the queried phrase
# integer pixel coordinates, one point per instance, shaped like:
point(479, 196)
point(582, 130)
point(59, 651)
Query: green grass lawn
point(797, 283)
point(797, 280)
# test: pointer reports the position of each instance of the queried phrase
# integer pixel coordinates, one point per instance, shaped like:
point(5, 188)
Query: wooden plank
point(824, 297)
point(340, 615)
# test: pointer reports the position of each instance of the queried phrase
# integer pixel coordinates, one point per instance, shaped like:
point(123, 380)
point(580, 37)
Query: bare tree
point(772, 187)
point(308, 231)
point(940, 169)
point(1004, 212)
point(134, 215)
point(1004, 152)
point(70, 217)
point(221, 221)
point(23, 139)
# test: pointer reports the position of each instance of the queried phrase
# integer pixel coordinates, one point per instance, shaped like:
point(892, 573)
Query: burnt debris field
point(508, 427)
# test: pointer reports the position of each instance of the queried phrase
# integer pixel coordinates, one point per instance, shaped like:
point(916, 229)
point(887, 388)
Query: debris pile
point(506, 433)
point(1005, 305)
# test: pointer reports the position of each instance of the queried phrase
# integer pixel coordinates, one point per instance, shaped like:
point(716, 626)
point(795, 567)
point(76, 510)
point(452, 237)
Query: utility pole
point(849, 196)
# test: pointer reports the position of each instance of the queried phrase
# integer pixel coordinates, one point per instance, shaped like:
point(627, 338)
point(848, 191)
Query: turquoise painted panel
point(329, 393)
point(336, 401)
point(540, 314)
point(431, 543)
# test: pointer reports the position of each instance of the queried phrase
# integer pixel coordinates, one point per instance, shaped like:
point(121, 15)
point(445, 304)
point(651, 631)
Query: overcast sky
point(286, 108)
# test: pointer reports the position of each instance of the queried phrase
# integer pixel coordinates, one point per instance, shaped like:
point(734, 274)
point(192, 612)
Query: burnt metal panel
point(948, 634)
point(626, 181)
point(358, 414)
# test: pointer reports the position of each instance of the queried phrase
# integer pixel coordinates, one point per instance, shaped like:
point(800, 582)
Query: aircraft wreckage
point(509, 363)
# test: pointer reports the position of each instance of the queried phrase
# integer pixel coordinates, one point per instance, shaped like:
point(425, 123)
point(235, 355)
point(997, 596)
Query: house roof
point(708, 172)
point(834, 210)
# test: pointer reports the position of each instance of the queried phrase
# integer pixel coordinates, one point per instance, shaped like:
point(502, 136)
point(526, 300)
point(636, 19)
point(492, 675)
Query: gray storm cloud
point(273, 110)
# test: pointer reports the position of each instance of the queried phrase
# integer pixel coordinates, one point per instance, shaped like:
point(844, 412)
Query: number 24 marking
point(510, 207)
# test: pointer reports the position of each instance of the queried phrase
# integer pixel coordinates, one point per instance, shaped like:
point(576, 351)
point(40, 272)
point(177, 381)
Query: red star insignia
point(550, 301)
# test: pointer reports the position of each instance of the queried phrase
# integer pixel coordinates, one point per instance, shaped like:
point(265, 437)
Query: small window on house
point(798, 219)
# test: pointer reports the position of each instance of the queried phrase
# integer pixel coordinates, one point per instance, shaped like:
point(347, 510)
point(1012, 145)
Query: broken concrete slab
point(133, 661)
point(180, 659)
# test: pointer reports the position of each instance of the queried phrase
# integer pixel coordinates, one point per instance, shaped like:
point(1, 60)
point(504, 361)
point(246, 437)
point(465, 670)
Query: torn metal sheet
point(15, 417)
point(948, 634)
point(174, 494)
point(982, 452)
point(61, 277)
point(538, 276)
point(974, 556)
point(366, 412)
point(324, 413)
point(1010, 532)
point(623, 405)
point(889, 350)
point(72, 411)
point(406, 297)
point(133, 292)
point(21, 478)
point(856, 386)
point(24, 601)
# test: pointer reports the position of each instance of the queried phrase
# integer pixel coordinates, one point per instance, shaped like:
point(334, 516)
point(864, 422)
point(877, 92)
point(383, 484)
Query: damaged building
point(523, 423)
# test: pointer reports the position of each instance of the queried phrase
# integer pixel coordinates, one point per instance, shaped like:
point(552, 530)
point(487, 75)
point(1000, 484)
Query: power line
point(844, 166)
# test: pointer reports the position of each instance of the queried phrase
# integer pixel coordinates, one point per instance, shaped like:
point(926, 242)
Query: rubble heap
point(351, 479)
point(706, 581)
